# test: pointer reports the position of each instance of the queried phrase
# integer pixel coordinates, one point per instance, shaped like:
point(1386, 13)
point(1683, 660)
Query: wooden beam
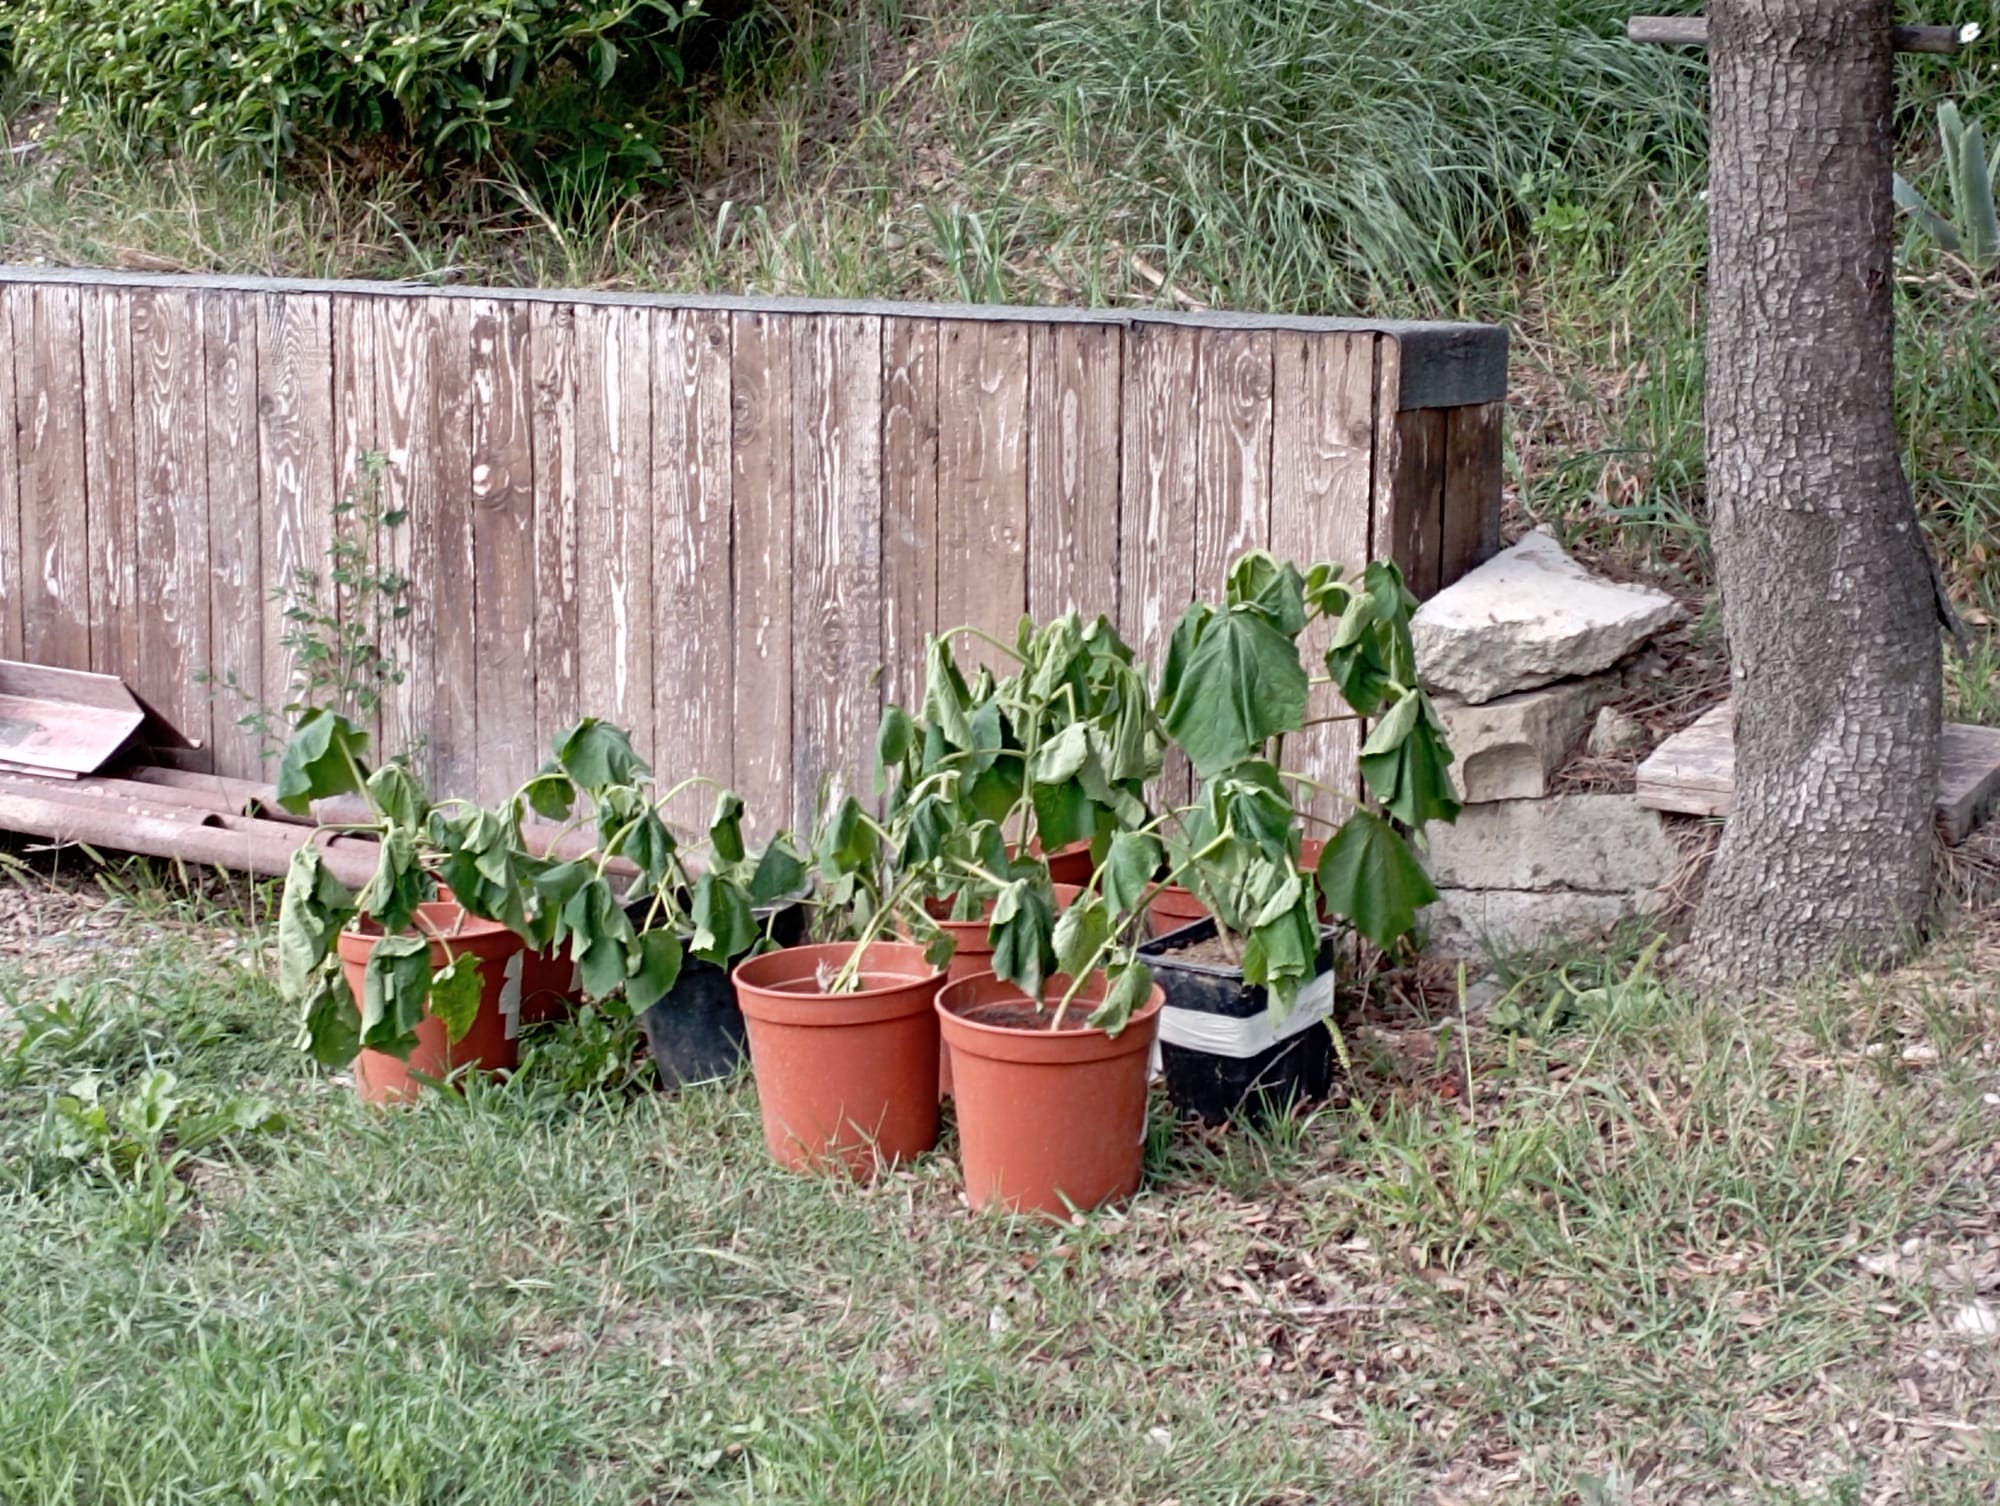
point(1692, 31)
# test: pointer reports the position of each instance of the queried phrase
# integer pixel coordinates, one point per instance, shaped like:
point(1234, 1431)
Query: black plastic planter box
point(696, 1032)
point(1211, 1087)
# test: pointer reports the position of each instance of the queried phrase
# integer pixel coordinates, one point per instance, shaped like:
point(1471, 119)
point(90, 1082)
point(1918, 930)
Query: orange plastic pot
point(844, 1081)
point(1047, 1120)
point(1072, 864)
point(488, 1046)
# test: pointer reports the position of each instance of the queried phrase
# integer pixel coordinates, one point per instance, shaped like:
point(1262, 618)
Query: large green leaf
point(724, 927)
point(398, 884)
point(327, 756)
point(1407, 772)
point(1131, 986)
point(397, 795)
point(1273, 588)
point(780, 873)
point(1023, 936)
point(314, 908)
point(658, 956)
point(596, 754)
point(455, 990)
point(850, 841)
point(1128, 870)
point(551, 795)
point(1063, 814)
point(725, 828)
point(329, 1023)
point(600, 935)
point(945, 694)
point(1242, 685)
point(1369, 876)
point(396, 987)
point(1081, 935)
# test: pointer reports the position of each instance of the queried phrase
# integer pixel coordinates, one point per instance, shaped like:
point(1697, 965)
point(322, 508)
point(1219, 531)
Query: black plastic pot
point(696, 1032)
point(1210, 1087)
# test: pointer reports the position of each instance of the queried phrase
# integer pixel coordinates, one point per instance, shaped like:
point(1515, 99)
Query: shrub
point(564, 84)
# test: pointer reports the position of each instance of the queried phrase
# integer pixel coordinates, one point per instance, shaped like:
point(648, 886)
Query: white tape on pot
point(1220, 1035)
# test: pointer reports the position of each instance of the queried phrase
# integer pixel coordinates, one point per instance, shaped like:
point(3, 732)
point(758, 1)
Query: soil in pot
point(844, 1081)
point(1235, 1075)
point(695, 1033)
point(1047, 1120)
point(488, 1046)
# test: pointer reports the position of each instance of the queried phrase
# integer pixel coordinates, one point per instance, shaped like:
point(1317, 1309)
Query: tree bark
point(1827, 600)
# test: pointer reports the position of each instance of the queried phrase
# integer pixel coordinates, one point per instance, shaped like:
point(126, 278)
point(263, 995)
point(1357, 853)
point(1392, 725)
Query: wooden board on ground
point(1693, 773)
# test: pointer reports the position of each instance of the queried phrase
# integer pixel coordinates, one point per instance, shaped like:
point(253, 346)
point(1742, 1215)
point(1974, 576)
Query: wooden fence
point(724, 523)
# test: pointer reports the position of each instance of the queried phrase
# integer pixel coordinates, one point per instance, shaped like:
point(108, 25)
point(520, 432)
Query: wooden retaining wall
point(725, 523)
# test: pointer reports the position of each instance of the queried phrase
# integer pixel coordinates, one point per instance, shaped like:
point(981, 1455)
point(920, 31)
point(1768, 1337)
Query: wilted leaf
point(314, 908)
point(1369, 876)
point(1131, 987)
point(780, 873)
point(596, 754)
point(724, 927)
point(396, 987)
point(659, 968)
point(1242, 685)
point(1022, 936)
point(1127, 871)
point(327, 756)
point(455, 990)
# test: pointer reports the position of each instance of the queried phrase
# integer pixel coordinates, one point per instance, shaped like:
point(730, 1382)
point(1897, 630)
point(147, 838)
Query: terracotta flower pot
point(488, 1046)
point(1072, 864)
point(843, 1080)
point(549, 986)
point(1047, 1120)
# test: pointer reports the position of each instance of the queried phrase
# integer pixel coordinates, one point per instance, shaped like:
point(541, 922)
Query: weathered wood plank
point(108, 483)
point(169, 383)
point(10, 483)
point(1450, 365)
point(1073, 387)
point(614, 519)
point(909, 502)
point(1322, 454)
point(236, 602)
point(1693, 773)
point(1474, 470)
point(761, 433)
point(693, 615)
point(356, 436)
point(837, 567)
point(503, 536)
point(558, 464)
point(410, 341)
point(982, 483)
point(295, 465)
point(1233, 458)
point(1156, 528)
point(54, 529)
point(1409, 479)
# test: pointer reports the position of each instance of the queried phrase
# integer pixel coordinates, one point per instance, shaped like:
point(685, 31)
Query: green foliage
point(1317, 153)
point(1972, 231)
point(572, 92)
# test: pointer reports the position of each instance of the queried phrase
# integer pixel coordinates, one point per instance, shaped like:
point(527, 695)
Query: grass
point(1641, 1253)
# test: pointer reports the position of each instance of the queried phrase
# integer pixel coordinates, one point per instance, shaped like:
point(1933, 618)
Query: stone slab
point(1596, 843)
point(1530, 616)
point(1511, 748)
point(1472, 922)
point(1693, 773)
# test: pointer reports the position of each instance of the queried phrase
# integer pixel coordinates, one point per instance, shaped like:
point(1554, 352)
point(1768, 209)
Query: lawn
point(1637, 1249)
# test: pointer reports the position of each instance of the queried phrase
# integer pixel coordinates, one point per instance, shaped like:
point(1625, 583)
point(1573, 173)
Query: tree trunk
point(1827, 600)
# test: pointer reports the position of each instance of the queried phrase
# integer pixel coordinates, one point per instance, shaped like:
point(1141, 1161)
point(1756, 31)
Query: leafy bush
point(566, 85)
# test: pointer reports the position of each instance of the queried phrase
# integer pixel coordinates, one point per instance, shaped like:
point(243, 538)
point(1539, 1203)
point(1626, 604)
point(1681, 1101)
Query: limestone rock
point(1529, 616)
point(1509, 748)
point(1605, 844)
point(1468, 922)
point(1616, 734)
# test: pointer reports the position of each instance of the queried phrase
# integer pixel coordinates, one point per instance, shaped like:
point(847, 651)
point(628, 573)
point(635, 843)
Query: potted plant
point(843, 1039)
point(402, 980)
point(651, 917)
point(1250, 982)
point(1030, 771)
